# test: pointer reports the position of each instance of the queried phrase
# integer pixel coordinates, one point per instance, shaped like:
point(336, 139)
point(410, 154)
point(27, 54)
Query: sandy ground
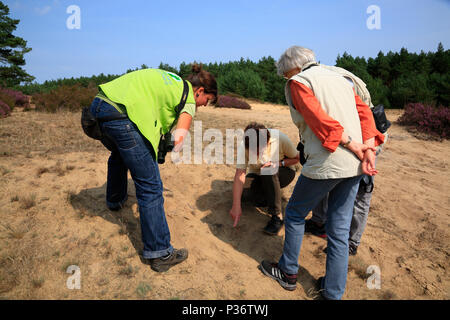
point(53, 215)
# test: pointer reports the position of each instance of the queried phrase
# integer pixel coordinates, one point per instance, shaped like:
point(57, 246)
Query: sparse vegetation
point(4, 170)
point(357, 265)
point(37, 283)
point(120, 261)
point(127, 271)
point(69, 263)
point(28, 201)
point(142, 289)
point(388, 295)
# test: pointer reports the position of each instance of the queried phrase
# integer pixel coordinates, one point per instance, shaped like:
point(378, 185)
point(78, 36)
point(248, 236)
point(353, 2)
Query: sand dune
point(54, 215)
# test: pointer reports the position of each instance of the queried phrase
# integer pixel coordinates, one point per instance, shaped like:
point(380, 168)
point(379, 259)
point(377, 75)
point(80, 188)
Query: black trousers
point(265, 190)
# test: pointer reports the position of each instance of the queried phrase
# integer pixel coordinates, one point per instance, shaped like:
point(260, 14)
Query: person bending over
point(134, 110)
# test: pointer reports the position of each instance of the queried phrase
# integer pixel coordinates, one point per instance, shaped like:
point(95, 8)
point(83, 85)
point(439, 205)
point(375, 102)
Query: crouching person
point(273, 169)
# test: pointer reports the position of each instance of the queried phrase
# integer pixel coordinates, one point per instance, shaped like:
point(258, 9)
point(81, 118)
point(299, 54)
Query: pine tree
point(12, 51)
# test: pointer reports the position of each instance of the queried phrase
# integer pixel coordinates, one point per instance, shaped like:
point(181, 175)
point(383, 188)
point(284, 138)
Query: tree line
point(393, 79)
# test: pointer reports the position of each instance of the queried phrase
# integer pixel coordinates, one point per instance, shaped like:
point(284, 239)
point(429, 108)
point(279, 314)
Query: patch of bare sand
point(52, 200)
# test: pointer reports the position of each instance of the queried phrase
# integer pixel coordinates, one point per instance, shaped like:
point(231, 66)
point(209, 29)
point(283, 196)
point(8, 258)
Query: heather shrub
point(16, 97)
point(8, 100)
point(5, 110)
point(231, 102)
point(427, 119)
point(66, 97)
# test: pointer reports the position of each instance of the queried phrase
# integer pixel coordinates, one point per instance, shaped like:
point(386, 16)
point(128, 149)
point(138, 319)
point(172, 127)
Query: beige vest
point(336, 97)
point(359, 85)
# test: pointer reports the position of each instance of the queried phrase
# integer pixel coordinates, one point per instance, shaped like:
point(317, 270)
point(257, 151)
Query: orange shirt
point(328, 130)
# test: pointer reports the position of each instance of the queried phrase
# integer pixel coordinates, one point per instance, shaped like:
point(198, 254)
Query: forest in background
point(393, 79)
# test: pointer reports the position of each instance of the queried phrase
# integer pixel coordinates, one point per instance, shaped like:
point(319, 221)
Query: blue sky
point(118, 35)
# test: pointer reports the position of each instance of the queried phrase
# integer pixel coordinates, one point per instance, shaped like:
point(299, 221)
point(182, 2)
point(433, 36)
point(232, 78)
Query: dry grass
point(27, 201)
point(4, 171)
point(46, 134)
point(37, 283)
point(357, 265)
point(143, 289)
point(127, 271)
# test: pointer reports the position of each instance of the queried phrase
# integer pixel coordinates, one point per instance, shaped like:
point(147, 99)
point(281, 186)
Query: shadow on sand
point(248, 237)
point(91, 202)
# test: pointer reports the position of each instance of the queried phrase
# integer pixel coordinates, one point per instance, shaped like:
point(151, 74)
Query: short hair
point(256, 129)
point(294, 57)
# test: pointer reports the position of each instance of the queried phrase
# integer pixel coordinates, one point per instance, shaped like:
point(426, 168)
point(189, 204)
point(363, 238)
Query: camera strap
point(182, 103)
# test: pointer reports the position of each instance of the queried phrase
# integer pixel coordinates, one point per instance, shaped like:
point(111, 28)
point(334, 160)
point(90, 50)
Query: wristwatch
point(345, 145)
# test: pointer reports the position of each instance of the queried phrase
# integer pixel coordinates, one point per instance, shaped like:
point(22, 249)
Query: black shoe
point(320, 289)
point(313, 228)
point(287, 281)
point(260, 203)
point(274, 226)
point(165, 263)
point(352, 249)
point(117, 206)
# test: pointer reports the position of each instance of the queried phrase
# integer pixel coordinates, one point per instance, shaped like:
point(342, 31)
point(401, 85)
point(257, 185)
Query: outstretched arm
point(238, 187)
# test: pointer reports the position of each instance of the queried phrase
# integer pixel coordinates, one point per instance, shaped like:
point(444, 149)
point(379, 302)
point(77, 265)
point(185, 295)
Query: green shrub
point(246, 83)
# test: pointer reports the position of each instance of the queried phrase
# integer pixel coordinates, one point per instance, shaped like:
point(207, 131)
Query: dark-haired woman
point(146, 100)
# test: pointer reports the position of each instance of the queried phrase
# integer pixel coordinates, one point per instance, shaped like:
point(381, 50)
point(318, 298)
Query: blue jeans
point(130, 150)
point(360, 213)
point(306, 195)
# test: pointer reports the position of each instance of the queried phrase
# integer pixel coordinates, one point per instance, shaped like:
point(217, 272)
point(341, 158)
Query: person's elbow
point(239, 175)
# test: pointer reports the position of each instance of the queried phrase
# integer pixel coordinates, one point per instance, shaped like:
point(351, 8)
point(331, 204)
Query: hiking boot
point(274, 226)
point(315, 229)
point(116, 206)
point(287, 281)
point(319, 289)
point(165, 263)
point(352, 249)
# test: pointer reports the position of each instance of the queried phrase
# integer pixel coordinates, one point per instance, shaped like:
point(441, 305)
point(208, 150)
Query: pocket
point(90, 125)
point(121, 132)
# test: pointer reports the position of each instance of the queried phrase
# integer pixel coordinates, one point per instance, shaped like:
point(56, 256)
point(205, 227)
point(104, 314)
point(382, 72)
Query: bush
point(18, 98)
point(246, 83)
point(427, 119)
point(9, 99)
point(66, 97)
point(231, 102)
point(5, 110)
